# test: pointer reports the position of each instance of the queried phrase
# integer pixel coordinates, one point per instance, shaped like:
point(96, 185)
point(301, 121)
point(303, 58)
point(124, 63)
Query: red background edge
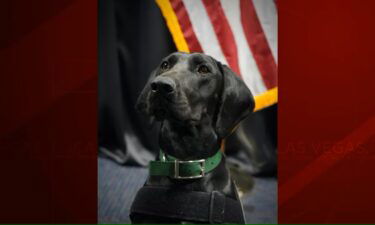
point(48, 132)
point(326, 112)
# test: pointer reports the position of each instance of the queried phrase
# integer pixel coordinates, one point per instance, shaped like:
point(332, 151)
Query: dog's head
point(184, 87)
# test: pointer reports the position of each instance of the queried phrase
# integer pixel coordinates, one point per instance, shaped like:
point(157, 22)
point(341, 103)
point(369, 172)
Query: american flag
point(239, 33)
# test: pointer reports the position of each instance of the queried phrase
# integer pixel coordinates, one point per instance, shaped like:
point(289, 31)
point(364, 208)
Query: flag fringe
point(266, 99)
point(173, 25)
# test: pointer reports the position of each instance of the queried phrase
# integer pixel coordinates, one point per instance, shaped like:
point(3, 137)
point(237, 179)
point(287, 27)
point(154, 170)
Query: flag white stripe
point(204, 30)
point(267, 15)
point(248, 66)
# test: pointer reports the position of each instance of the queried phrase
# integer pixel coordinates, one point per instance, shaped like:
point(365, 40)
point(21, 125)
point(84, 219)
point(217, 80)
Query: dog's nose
point(164, 86)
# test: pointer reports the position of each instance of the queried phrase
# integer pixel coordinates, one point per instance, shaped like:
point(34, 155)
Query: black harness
point(192, 206)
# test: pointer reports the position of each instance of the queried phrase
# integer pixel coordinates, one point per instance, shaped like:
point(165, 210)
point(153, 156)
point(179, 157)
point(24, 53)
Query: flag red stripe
point(223, 32)
point(186, 27)
point(258, 43)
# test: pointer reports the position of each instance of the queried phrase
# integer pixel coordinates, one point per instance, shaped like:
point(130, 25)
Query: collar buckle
point(177, 163)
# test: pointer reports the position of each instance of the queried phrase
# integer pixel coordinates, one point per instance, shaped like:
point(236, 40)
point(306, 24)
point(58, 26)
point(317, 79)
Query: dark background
point(133, 38)
point(48, 132)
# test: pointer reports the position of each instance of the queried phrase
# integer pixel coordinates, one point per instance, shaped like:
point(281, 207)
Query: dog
point(199, 101)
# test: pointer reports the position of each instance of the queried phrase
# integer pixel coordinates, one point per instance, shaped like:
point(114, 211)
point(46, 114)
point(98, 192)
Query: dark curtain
point(133, 38)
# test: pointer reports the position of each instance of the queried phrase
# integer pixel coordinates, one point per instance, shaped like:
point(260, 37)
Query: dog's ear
point(237, 102)
point(143, 101)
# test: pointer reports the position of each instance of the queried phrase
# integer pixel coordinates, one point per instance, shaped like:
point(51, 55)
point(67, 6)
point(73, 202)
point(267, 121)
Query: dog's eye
point(203, 69)
point(164, 66)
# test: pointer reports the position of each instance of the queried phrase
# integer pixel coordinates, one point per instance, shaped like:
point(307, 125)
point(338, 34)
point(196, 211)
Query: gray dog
point(198, 101)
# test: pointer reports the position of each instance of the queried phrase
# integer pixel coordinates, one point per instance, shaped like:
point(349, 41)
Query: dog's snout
point(164, 86)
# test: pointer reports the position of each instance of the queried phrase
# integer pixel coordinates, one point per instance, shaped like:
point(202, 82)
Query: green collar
point(177, 169)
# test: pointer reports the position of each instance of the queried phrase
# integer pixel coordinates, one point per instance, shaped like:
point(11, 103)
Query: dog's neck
point(188, 141)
